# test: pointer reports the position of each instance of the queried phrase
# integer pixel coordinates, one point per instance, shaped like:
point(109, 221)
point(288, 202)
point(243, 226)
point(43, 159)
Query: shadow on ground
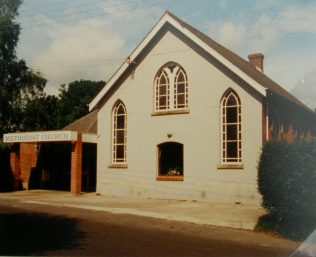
point(35, 233)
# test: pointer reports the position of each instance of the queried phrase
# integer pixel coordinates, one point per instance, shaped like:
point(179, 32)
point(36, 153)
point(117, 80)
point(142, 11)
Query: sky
point(69, 40)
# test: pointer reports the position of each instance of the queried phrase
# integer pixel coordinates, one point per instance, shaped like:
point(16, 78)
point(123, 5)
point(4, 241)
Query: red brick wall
point(76, 165)
point(28, 159)
point(15, 165)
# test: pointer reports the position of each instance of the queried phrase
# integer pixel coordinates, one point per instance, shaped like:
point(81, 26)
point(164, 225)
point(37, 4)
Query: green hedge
point(287, 182)
point(6, 177)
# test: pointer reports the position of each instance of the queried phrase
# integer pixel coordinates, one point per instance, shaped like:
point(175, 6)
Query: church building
point(186, 118)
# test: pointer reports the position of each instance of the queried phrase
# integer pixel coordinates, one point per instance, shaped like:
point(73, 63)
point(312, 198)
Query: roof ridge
point(276, 88)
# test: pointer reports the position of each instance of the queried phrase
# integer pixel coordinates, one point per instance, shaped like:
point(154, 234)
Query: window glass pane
point(231, 149)
point(181, 88)
point(180, 77)
point(162, 79)
point(180, 99)
point(120, 137)
point(120, 121)
point(231, 132)
point(162, 90)
point(120, 110)
point(231, 114)
point(231, 100)
point(120, 152)
point(162, 101)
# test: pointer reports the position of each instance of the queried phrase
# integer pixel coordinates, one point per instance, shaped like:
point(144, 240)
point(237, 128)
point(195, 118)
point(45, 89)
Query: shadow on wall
point(33, 234)
point(6, 176)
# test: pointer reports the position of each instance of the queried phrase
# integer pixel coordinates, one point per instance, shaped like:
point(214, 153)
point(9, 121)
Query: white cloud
point(285, 60)
point(266, 31)
point(305, 89)
point(86, 48)
point(78, 52)
point(229, 34)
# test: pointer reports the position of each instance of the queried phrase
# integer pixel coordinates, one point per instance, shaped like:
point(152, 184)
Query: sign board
point(43, 136)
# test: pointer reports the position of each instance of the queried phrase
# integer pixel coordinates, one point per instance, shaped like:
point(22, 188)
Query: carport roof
point(85, 124)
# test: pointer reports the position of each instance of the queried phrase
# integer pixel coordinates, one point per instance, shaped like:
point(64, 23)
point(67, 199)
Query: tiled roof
point(86, 124)
point(242, 64)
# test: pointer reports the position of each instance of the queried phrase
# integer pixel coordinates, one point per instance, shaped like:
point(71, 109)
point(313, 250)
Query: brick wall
point(76, 165)
point(28, 159)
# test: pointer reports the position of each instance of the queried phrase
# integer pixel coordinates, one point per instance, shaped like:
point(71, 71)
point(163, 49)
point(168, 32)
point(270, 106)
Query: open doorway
point(52, 169)
point(89, 169)
point(170, 159)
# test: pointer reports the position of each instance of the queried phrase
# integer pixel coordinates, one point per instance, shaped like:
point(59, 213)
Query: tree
point(40, 113)
point(18, 83)
point(74, 99)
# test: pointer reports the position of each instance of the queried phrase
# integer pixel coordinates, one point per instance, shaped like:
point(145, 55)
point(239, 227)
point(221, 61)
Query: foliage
point(74, 99)
point(18, 84)
point(287, 179)
point(40, 113)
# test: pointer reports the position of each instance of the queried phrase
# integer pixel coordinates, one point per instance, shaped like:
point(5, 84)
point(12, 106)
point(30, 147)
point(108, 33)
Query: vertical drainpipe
point(267, 118)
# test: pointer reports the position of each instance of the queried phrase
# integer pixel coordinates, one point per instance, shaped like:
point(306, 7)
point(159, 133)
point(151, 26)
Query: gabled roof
point(86, 124)
point(246, 71)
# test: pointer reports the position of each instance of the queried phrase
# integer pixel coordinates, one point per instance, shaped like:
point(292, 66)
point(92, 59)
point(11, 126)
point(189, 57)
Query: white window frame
point(224, 125)
point(115, 115)
point(171, 71)
point(176, 87)
point(158, 85)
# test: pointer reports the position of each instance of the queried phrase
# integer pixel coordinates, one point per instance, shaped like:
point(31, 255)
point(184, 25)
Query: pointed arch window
point(119, 133)
point(180, 90)
point(162, 91)
point(171, 89)
point(231, 128)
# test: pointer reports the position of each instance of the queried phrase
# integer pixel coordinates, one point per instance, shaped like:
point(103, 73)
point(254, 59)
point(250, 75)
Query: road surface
point(46, 230)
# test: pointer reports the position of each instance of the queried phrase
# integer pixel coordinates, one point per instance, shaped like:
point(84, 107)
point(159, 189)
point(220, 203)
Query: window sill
point(170, 112)
point(226, 166)
point(169, 178)
point(118, 166)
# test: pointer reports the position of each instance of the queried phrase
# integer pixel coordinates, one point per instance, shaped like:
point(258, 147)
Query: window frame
point(234, 162)
point(176, 86)
point(118, 162)
point(166, 176)
point(158, 86)
point(171, 71)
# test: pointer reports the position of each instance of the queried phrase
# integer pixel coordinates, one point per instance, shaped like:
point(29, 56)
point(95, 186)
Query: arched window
point(171, 88)
point(119, 133)
point(162, 91)
point(231, 128)
point(180, 90)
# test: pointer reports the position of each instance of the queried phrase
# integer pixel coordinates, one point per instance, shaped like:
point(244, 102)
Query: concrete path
point(226, 215)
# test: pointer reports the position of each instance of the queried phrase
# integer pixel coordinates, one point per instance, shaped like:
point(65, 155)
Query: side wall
point(28, 159)
point(198, 131)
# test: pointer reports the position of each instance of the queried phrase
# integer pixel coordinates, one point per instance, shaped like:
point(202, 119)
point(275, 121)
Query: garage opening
point(52, 170)
point(53, 167)
point(170, 156)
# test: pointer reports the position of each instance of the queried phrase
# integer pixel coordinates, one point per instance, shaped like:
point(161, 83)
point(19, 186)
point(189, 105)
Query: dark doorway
point(53, 167)
point(170, 159)
point(89, 170)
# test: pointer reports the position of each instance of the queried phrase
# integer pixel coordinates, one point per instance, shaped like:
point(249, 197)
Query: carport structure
point(26, 147)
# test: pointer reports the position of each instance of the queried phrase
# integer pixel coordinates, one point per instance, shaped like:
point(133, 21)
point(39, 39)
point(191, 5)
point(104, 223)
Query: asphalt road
point(40, 230)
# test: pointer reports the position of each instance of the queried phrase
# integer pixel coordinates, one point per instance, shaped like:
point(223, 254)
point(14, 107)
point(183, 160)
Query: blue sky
point(80, 39)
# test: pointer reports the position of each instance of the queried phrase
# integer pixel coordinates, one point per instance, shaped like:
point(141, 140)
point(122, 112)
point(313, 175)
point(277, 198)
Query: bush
point(287, 182)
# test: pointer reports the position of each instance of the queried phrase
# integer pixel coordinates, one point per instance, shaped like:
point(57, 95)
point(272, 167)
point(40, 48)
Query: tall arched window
point(162, 91)
point(119, 133)
point(171, 88)
point(180, 90)
point(231, 128)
